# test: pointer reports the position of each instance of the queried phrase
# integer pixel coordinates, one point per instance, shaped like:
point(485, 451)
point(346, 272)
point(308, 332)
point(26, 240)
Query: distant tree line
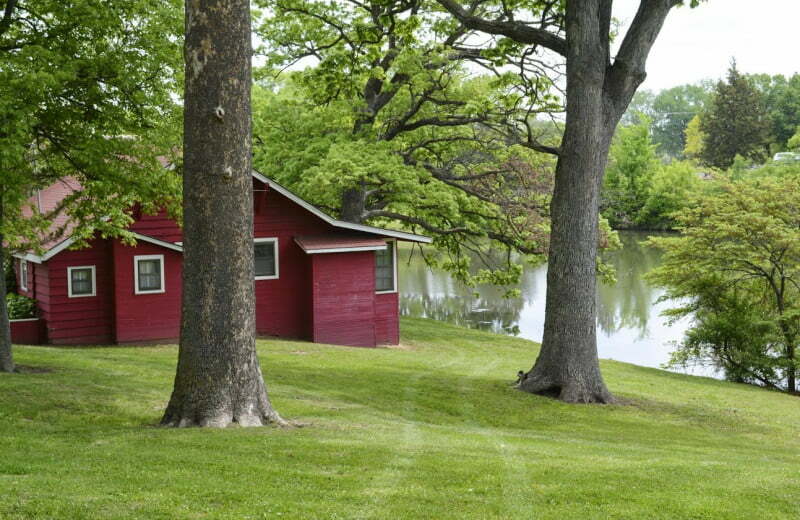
point(752, 115)
point(670, 143)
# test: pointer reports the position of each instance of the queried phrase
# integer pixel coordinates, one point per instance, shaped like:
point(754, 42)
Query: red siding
point(26, 332)
point(74, 321)
point(387, 322)
point(283, 305)
point(325, 297)
point(158, 226)
point(344, 298)
point(146, 317)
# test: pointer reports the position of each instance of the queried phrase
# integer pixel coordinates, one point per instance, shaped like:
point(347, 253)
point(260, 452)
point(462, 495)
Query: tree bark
point(568, 365)
point(598, 92)
point(354, 201)
point(218, 380)
point(6, 358)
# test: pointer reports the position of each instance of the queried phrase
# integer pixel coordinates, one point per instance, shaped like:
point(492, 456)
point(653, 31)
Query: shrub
point(20, 307)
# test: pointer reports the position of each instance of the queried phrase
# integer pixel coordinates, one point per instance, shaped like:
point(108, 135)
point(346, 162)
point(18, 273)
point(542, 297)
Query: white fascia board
point(50, 253)
point(344, 250)
point(162, 243)
point(63, 245)
point(338, 223)
point(28, 257)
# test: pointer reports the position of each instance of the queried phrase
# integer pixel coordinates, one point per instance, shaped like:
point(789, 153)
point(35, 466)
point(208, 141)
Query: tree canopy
point(399, 117)
point(736, 265)
point(86, 90)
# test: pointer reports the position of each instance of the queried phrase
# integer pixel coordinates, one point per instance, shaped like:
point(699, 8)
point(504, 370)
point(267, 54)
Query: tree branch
point(628, 70)
point(517, 31)
point(5, 23)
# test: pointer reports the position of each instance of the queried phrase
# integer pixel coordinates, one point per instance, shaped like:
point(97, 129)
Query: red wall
point(325, 297)
point(283, 305)
point(146, 317)
point(75, 321)
point(387, 321)
point(26, 332)
point(344, 298)
point(158, 226)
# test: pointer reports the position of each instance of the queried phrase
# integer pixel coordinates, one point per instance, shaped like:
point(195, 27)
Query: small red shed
point(317, 278)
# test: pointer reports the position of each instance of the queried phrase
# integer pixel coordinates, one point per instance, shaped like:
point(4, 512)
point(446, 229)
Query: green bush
point(20, 307)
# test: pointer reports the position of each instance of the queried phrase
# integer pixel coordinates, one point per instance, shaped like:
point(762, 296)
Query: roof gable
point(49, 198)
point(339, 223)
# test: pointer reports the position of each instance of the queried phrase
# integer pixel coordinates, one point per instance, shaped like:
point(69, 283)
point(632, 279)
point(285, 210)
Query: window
point(81, 281)
point(385, 272)
point(149, 274)
point(266, 258)
point(23, 275)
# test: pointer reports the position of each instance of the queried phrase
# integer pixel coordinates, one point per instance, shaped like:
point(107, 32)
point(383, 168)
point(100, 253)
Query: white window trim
point(136, 260)
point(394, 268)
point(273, 240)
point(23, 275)
point(69, 281)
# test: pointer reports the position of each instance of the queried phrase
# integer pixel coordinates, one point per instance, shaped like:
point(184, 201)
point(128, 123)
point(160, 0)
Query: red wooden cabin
point(317, 278)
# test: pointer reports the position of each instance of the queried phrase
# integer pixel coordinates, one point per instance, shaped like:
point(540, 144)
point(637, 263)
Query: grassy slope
point(431, 432)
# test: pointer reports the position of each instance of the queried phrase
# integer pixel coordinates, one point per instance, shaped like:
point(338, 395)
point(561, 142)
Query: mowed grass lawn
point(430, 430)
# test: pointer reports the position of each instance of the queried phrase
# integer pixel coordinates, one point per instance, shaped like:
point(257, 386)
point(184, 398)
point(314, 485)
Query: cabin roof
point(338, 243)
point(48, 199)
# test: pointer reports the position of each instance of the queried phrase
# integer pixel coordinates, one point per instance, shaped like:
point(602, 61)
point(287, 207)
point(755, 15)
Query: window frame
point(393, 241)
point(23, 275)
point(136, 260)
point(93, 269)
point(275, 242)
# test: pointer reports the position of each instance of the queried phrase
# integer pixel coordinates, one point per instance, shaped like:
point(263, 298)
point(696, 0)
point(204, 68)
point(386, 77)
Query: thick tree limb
point(5, 22)
point(628, 70)
point(517, 31)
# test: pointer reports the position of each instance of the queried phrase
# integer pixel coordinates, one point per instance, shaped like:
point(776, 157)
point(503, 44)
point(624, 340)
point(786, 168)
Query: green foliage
point(638, 191)
point(389, 115)
point(670, 112)
point(312, 150)
point(10, 276)
point(675, 108)
point(735, 122)
point(670, 188)
point(20, 307)
point(85, 89)
point(736, 267)
point(695, 139)
point(794, 141)
point(782, 100)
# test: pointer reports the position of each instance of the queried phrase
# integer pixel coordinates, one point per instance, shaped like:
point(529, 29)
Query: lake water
point(629, 323)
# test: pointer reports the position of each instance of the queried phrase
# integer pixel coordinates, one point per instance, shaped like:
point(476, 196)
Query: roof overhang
point(400, 235)
point(321, 244)
point(67, 242)
point(391, 233)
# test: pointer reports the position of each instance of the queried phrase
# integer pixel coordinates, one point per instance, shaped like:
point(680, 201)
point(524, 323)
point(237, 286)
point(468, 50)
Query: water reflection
point(630, 327)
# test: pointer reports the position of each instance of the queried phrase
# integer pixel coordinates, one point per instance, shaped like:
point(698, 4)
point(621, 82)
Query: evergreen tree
point(736, 122)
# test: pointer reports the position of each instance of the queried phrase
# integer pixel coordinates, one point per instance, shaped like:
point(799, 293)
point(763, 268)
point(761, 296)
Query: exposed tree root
point(572, 392)
point(224, 420)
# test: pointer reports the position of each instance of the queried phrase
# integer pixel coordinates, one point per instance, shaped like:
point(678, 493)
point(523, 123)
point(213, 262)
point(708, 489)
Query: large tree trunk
point(6, 359)
point(354, 201)
point(568, 366)
point(218, 380)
